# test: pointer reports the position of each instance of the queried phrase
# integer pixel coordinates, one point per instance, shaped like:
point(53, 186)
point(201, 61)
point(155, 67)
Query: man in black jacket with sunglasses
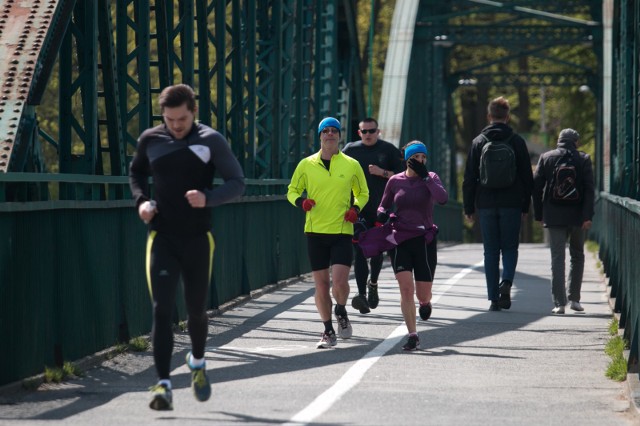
point(380, 160)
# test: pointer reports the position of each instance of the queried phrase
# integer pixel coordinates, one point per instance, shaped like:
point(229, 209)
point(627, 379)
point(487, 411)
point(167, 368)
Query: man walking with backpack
point(563, 198)
point(497, 188)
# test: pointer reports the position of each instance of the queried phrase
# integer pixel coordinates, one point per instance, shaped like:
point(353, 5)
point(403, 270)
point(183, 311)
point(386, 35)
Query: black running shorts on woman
point(417, 256)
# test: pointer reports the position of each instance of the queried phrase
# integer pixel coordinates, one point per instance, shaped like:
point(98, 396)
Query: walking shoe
point(161, 398)
point(505, 294)
point(413, 343)
point(328, 339)
point(373, 298)
point(425, 311)
point(576, 306)
point(558, 310)
point(360, 303)
point(344, 326)
point(199, 382)
point(495, 306)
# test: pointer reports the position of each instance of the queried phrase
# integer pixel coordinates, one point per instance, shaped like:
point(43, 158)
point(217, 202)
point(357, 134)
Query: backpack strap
point(486, 139)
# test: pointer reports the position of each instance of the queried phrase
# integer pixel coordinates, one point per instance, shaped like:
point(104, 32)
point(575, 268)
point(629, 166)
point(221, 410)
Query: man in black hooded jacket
point(499, 210)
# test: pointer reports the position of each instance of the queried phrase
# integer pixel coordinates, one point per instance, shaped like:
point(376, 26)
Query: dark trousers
point(169, 258)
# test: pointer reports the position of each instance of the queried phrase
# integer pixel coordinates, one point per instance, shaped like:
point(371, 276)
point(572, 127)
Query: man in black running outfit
point(182, 156)
point(380, 160)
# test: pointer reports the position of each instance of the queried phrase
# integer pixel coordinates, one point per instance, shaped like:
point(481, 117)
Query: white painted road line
point(353, 376)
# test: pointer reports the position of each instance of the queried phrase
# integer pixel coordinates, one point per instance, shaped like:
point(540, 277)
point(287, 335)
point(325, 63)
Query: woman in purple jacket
point(413, 193)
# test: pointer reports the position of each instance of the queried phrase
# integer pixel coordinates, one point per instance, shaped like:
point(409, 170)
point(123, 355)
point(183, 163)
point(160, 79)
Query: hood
point(497, 131)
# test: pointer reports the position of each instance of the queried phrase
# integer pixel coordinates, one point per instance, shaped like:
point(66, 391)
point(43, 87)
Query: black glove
point(381, 219)
point(419, 167)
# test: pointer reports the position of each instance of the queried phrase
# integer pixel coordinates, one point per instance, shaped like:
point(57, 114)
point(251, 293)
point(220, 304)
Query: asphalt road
point(522, 366)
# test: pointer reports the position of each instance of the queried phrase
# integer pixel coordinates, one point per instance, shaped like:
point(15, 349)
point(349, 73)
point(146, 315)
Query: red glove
point(307, 204)
point(351, 215)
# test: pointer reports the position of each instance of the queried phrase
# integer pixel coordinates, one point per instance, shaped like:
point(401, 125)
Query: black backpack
point(565, 187)
point(497, 163)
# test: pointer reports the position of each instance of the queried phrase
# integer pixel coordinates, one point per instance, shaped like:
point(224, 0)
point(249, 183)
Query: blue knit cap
point(329, 122)
point(414, 149)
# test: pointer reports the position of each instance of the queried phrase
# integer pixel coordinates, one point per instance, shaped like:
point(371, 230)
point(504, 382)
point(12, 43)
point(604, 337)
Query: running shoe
point(199, 382)
point(360, 303)
point(425, 311)
point(413, 343)
point(576, 306)
point(344, 326)
point(373, 298)
point(161, 398)
point(328, 340)
point(505, 294)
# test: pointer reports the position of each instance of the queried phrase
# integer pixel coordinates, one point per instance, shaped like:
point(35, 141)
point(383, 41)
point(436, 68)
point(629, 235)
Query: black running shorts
point(417, 256)
point(329, 249)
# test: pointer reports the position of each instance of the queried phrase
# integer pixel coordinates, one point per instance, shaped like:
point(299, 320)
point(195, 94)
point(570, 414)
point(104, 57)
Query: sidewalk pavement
point(518, 366)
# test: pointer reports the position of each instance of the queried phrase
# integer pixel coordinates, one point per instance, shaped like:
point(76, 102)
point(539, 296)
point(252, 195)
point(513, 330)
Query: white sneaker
point(558, 310)
point(576, 306)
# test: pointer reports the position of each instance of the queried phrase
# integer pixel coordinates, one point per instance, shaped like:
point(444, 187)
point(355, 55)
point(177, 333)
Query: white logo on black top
point(202, 152)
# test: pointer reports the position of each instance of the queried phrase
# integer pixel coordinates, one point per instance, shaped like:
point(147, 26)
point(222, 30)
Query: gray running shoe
point(576, 306)
point(344, 326)
point(328, 340)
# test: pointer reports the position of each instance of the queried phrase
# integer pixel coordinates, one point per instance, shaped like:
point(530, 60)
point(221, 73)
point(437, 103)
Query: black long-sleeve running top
point(178, 166)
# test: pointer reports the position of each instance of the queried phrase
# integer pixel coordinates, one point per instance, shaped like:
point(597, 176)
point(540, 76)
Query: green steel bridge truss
point(265, 72)
point(520, 29)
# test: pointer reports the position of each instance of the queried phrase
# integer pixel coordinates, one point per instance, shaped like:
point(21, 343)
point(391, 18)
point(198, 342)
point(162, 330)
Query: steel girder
point(442, 27)
point(624, 167)
point(265, 72)
point(30, 34)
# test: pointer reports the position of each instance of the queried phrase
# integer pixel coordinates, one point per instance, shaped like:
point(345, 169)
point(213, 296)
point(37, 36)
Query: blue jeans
point(500, 229)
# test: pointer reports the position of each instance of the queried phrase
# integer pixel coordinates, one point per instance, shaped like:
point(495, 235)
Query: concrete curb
point(632, 382)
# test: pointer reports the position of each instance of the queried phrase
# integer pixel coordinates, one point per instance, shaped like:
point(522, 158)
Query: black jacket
point(562, 215)
point(518, 195)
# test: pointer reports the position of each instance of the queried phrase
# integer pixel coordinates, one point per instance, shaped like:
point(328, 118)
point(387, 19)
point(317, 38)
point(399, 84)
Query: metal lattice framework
point(517, 29)
point(265, 72)
point(623, 160)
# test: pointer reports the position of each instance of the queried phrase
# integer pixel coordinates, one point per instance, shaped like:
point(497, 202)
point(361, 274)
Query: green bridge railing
point(617, 230)
point(72, 278)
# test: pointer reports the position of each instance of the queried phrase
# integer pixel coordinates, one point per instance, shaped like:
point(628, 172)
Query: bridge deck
point(521, 366)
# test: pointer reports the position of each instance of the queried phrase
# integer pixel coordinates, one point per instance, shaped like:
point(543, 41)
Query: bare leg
point(322, 296)
point(407, 301)
point(340, 288)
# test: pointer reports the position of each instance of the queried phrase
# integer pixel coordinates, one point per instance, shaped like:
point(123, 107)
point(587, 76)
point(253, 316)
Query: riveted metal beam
point(23, 28)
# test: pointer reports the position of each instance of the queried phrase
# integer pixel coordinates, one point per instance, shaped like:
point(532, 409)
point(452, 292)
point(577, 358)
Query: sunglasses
point(330, 130)
point(365, 131)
